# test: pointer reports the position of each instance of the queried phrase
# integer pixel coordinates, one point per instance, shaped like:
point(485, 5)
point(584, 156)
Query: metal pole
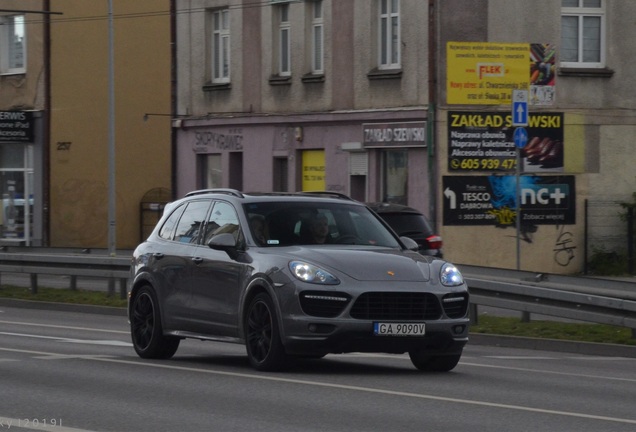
point(111, 134)
point(518, 214)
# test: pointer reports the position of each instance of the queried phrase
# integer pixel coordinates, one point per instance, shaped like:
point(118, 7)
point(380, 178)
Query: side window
point(167, 230)
point(191, 221)
point(222, 219)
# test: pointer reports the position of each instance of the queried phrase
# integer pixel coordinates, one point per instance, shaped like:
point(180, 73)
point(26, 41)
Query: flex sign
point(492, 200)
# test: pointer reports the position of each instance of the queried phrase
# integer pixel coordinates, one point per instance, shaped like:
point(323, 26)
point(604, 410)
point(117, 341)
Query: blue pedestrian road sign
point(520, 137)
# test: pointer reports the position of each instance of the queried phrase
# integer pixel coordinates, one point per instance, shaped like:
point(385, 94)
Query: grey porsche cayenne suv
point(292, 275)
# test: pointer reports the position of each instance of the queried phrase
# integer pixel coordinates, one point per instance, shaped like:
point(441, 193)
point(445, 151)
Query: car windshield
point(299, 223)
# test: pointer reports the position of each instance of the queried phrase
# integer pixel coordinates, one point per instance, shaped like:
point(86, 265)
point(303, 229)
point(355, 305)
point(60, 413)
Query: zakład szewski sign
point(483, 141)
point(16, 126)
point(408, 134)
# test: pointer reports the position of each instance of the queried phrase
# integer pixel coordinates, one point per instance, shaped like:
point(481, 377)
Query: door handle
point(197, 260)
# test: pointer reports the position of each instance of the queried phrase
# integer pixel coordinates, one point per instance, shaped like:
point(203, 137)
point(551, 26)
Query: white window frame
point(220, 46)
point(582, 13)
point(284, 40)
point(317, 37)
point(389, 34)
point(7, 35)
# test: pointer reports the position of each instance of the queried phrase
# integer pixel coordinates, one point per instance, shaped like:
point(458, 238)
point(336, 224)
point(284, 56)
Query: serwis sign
point(16, 126)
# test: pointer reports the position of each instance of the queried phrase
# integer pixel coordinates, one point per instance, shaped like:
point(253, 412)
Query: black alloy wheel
point(265, 350)
point(146, 329)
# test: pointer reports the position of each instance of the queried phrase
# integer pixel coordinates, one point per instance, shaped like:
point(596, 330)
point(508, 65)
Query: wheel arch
point(256, 286)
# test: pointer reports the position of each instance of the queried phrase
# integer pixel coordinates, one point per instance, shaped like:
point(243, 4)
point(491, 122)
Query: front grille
point(396, 306)
point(455, 305)
point(323, 304)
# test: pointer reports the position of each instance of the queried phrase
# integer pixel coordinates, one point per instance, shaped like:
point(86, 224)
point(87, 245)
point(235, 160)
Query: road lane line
point(373, 390)
point(608, 378)
point(63, 327)
point(72, 340)
point(348, 387)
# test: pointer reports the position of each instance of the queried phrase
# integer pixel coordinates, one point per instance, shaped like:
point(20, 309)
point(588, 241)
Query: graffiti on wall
point(563, 246)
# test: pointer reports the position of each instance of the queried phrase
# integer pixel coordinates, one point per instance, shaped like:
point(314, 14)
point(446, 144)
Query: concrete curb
point(555, 345)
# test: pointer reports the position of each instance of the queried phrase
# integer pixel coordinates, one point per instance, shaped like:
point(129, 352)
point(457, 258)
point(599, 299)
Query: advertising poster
point(542, 74)
point(313, 175)
point(492, 200)
point(483, 141)
point(483, 73)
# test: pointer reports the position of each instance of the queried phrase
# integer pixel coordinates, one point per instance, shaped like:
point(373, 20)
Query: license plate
point(399, 329)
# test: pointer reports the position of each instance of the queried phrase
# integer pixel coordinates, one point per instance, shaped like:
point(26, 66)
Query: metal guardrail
point(588, 299)
point(74, 265)
point(602, 301)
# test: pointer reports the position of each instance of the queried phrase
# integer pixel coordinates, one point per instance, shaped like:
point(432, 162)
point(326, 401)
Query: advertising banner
point(492, 200)
point(485, 73)
point(483, 141)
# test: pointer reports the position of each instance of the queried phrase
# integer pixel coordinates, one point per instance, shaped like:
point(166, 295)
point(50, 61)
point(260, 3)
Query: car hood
point(366, 264)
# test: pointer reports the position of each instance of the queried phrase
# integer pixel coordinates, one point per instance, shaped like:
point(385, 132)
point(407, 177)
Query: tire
point(434, 363)
point(265, 350)
point(146, 330)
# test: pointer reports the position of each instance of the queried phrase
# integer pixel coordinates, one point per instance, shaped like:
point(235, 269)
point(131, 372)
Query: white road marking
point(142, 363)
point(64, 327)
point(71, 340)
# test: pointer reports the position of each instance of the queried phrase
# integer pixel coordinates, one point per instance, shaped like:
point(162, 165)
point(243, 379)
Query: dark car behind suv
point(292, 275)
point(409, 222)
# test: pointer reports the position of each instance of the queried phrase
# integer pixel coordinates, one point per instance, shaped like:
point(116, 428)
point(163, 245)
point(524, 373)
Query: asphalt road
point(68, 371)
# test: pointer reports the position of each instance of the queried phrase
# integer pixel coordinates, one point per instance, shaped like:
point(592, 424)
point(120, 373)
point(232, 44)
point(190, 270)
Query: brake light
point(434, 242)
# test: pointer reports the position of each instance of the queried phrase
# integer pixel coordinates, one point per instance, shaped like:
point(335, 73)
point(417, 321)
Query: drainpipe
point(432, 100)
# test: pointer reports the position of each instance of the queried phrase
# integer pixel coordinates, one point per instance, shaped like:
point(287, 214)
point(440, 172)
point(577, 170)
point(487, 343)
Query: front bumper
point(315, 336)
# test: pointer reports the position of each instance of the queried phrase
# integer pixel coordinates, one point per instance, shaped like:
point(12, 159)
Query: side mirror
point(409, 243)
point(224, 242)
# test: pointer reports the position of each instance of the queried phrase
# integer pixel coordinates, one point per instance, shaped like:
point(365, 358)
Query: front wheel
point(146, 329)
point(434, 363)
point(265, 350)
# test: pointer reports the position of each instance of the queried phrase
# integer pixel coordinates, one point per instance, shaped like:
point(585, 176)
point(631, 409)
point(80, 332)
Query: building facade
point(23, 108)
point(576, 166)
point(312, 95)
point(412, 102)
point(83, 131)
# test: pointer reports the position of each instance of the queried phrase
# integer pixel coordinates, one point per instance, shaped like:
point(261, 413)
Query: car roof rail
point(232, 192)
point(328, 194)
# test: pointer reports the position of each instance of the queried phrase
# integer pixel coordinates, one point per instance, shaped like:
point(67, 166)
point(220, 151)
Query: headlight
point(450, 275)
point(312, 274)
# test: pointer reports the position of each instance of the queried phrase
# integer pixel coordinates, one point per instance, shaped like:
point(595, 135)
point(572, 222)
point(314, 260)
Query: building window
point(12, 45)
point(583, 33)
point(317, 38)
point(389, 33)
point(284, 36)
point(395, 175)
point(221, 46)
